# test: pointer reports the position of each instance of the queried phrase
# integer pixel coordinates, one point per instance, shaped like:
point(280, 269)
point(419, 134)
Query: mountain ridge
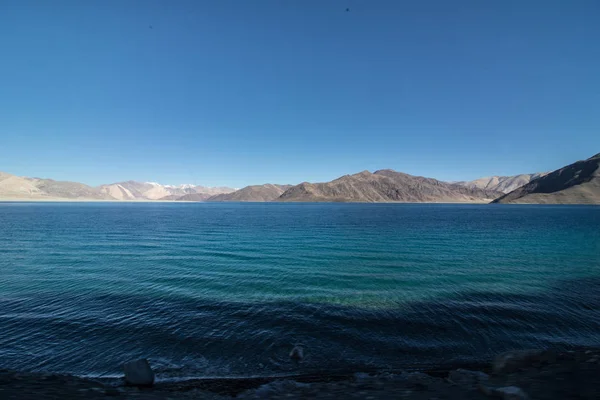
point(253, 193)
point(133, 190)
point(503, 184)
point(14, 187)
point(576, 183)
point(385, 186)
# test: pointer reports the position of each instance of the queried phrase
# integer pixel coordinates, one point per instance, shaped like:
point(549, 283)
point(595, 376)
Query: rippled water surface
point(227, 289)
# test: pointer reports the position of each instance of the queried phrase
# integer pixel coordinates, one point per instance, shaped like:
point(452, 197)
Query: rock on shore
point(536, 375)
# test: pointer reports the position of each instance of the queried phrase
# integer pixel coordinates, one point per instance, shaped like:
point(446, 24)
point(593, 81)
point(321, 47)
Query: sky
point(235, 92)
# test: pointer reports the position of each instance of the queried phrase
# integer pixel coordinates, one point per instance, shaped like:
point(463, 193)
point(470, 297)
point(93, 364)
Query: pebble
point(464, 377)
point(297, 353)
point(512, 393)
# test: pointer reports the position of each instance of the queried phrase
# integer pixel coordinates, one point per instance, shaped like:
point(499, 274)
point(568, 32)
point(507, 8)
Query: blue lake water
point(226, 289)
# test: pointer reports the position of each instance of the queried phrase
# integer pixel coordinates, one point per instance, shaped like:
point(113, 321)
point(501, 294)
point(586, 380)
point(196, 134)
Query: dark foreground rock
point(517, 375)
point(138, 373)
point(512, 361)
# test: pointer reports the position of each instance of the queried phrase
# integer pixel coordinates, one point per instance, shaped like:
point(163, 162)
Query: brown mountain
point(189, 197)
point(266, 192)
point(577, 183)
point(503, 184)
point(387, 186)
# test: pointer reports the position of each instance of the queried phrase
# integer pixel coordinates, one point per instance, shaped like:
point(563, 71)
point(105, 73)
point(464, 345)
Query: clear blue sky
point(234, 92)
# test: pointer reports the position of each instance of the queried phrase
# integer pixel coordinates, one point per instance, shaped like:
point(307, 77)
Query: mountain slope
point(132, 190)
point(503, 184)
point(68, 190)
point(17, 187)
point(23, 188)
point(212, 191)
point(577, 183)
point(190, 197)
point(117, 191)
point(12, 186)
point(266, 192)
point(386, 186)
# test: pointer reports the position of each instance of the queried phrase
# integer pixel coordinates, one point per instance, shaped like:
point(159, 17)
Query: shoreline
point(490, 202)
point(60, 200)
point(524, 374)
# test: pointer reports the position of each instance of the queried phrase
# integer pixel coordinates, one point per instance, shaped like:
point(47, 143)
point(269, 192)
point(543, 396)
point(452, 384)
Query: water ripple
point(228, 289)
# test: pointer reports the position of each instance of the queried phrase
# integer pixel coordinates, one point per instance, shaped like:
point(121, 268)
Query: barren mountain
point(266, 192)
point(503, 184)
point(12, 186)
point(386, 186)
point(68, 190)
point(132, 190)
point(118, 192)
point(23, 188)
point(190, 197)
point(212, 191)
point(16, 187)
point(577, 183)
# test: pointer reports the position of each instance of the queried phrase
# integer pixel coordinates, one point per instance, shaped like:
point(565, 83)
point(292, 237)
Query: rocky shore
point(532, 374)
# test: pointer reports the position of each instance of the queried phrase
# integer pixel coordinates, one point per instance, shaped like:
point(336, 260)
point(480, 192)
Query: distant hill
point(23, 188)
point(503, 184)
point(190, 197)
point(386, 186)
point(577, 183)
point(132, 190)
point(68, 190)
point(120, 191)
point(12, 186)
point(16, 187)
point(212, 191)
point(266, 192)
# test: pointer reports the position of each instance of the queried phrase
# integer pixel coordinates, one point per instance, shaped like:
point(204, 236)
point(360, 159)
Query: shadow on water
point(94, 334)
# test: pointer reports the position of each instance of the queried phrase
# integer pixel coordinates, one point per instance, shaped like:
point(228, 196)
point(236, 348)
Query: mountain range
point(132, 190)
point(576, 183)
point(23, 188)
point(381, 186)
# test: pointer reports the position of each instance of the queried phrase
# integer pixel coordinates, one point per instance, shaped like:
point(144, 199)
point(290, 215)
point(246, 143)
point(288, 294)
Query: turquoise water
point(223, 289)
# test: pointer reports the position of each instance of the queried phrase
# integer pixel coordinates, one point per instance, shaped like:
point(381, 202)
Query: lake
point(227, 289)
